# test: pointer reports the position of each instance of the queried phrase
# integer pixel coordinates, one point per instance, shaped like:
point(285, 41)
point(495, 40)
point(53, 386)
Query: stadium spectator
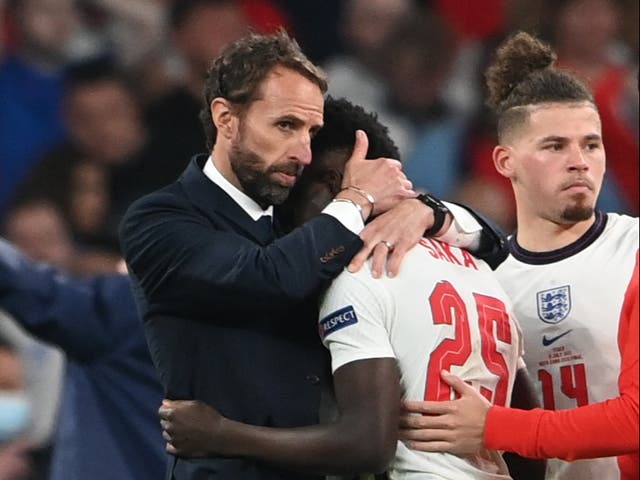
point(31, 86)
point(107, 424)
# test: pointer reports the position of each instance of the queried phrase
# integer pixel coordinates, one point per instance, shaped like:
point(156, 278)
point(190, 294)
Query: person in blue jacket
point(108, 428)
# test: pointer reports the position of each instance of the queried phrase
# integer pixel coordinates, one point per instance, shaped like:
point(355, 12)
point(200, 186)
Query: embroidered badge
point(554, 304)
point(337, 320)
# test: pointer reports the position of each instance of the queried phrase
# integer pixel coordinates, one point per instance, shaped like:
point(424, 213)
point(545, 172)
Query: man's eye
point(285, 124)
point(593, 146)
point(554, 147)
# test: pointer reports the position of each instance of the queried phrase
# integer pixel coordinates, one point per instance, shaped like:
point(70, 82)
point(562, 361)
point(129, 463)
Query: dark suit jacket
point(230, 318)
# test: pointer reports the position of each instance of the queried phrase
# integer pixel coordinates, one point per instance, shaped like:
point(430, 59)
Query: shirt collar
point(246, 203)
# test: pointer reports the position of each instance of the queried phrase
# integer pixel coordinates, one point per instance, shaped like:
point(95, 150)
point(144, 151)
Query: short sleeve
point(355, 318)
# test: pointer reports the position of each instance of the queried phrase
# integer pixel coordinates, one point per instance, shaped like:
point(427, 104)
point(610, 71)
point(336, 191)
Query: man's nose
point(577, 160)
point(303, 150)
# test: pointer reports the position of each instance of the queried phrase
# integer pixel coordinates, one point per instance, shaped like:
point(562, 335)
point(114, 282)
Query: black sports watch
point(440, 211)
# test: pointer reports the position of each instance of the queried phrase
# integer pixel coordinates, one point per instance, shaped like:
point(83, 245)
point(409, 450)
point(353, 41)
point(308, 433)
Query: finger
point(436, 446)
point(379, 259)
point(361, 145)
point(166, 413)
point(411, 421)
point(405, 184)
point(167, 437)
point(425, 422)
point(395, 260)
point(429, 408)
point(358, 261)
point(425, 434)
point(406, 193)
point(171, 449)
point(425, 426)
point(457, 383)
point(391, 167)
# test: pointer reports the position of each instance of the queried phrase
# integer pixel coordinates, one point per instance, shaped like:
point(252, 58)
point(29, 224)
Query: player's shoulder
point(622, 223)
point(621, 230)
point(361, 279)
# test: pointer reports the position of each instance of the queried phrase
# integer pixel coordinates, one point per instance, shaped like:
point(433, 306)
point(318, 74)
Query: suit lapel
point(215, 204)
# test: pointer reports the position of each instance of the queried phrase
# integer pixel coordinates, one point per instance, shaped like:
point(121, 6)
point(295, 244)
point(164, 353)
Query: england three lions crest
point(554, 304)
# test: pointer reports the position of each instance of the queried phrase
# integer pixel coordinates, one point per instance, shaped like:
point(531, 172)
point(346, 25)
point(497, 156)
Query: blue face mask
point(15, 412)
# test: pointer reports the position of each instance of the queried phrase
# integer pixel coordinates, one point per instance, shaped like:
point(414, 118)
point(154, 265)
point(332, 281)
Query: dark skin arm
point(362, 439)
point(524, 397)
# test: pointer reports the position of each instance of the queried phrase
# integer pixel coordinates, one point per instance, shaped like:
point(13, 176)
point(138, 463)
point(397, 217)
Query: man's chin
point(277, 195)
point(578, 212)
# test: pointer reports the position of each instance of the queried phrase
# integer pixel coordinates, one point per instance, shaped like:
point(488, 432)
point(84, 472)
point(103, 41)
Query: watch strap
point(440, 211)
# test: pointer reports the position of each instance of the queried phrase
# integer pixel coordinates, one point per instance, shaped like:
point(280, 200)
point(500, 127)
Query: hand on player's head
point(382, 178)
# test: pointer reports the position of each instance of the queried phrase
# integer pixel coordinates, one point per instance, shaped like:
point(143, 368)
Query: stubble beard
point(580, 209)
point(577, 213)
point(255, 181)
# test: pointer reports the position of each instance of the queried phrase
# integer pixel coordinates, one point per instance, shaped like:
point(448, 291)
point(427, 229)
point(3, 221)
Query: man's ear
point(223, 117)
point(503, 160)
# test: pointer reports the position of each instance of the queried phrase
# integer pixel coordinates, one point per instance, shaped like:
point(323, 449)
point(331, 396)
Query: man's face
point(104, 121)
point(47, 26)
point(558, 162)
point(272, 143)
point(40, 232)
point(318, 185)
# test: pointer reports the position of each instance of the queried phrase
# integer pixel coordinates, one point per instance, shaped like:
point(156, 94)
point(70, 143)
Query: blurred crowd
point(99, 104)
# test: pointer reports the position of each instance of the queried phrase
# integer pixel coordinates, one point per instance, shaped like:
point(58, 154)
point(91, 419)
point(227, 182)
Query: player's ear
point(223, 117)
point(503, 160)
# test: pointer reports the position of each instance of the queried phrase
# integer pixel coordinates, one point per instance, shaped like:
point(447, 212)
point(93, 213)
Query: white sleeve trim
point(464, 231)
point(346, 214)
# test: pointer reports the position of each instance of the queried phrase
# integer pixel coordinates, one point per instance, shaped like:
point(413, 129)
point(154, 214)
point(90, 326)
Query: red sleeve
point(599, 430)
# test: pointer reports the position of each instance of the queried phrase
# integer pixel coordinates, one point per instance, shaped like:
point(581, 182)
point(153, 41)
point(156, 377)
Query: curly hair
point(341, 120)
point(523, 74)
point(237, 73)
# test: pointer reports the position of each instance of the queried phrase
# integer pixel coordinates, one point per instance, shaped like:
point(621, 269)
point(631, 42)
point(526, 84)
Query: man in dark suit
point(361, 434)
point(229, 312)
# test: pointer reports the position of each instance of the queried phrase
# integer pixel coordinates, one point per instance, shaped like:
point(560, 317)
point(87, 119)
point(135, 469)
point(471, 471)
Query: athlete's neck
point(538, 234)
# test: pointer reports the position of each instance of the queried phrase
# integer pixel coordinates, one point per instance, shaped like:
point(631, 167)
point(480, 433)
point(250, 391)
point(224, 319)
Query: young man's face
point(557, 162)
point(319, 184)
point(272, 144)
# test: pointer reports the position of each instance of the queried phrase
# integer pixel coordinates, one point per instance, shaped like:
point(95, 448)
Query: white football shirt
point(568, 303)
point(445, 310)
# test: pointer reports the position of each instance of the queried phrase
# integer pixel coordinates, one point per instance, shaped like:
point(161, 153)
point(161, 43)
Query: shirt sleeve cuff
point(346, 214)
point(499, 433)
point(465, 230)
